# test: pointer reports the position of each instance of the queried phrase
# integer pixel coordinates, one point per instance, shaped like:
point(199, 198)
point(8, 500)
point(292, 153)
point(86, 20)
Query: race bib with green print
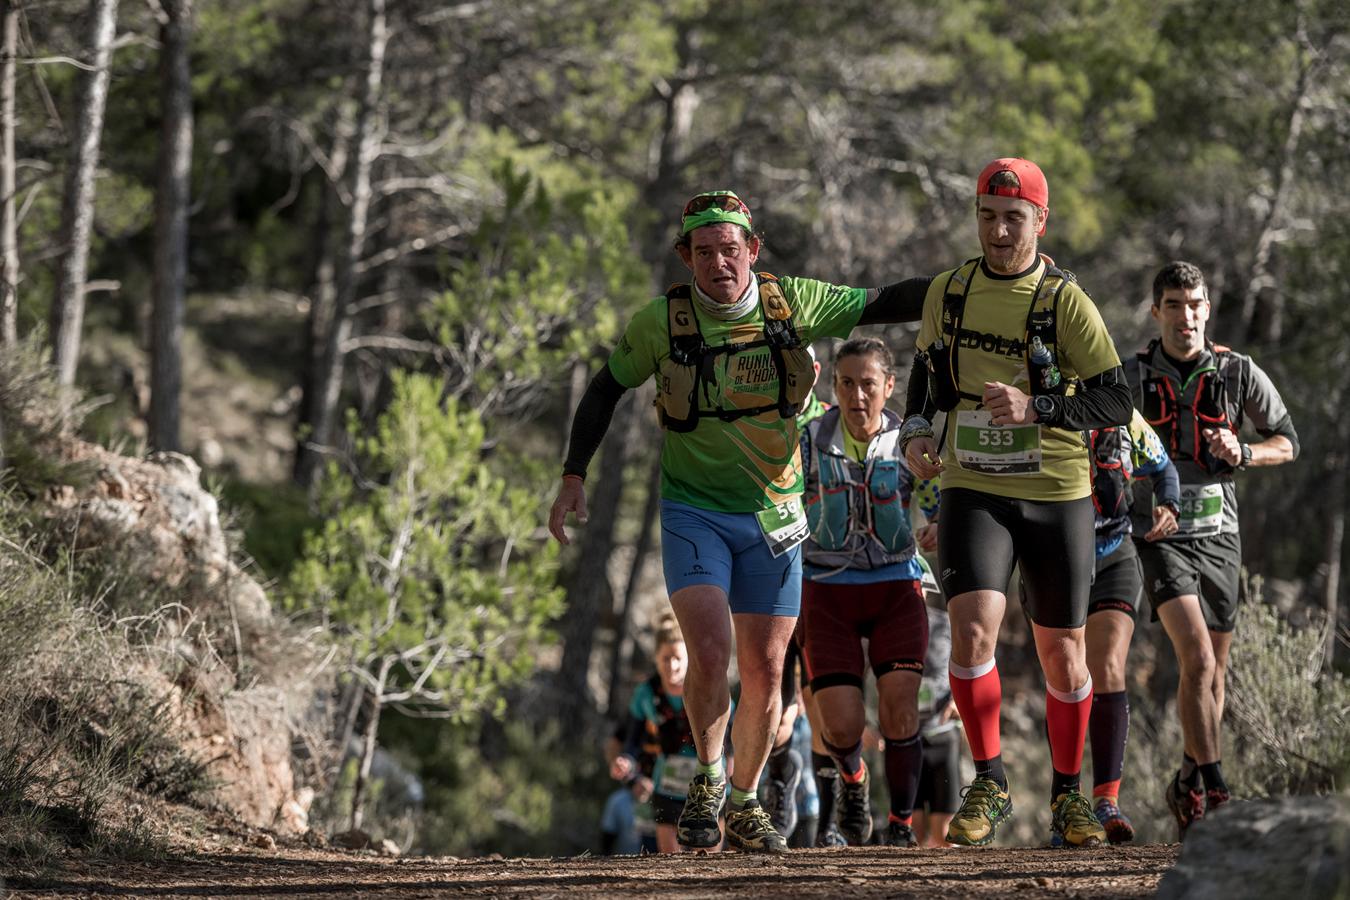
point(982, 446)
point(784, 525)
point(1201, 511)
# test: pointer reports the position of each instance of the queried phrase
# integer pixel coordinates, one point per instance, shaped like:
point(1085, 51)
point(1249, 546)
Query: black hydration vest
point(1203, 402)
point(1042, 362)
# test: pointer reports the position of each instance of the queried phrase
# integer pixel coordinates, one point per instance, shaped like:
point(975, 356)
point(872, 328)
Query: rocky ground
point(853, 872)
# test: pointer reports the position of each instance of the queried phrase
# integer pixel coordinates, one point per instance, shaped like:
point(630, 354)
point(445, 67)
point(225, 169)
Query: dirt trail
point(851, 872)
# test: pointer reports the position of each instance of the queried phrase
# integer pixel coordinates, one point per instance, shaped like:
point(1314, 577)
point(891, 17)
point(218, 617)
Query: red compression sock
point(1066, 720)
point(978, 693)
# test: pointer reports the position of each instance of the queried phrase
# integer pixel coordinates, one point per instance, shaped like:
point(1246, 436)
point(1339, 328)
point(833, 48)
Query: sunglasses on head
point(724, 202)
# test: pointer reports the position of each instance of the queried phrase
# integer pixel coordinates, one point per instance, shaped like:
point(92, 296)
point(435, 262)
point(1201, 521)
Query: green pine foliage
point(431, 557)
point(555, 267)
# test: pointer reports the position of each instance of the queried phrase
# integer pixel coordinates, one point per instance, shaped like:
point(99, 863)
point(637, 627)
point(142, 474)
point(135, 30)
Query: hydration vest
point(1112, 468)
point(1042, 365)
point(1179, 417)
point(690, 368)
point(673, 731)
point(857, 511)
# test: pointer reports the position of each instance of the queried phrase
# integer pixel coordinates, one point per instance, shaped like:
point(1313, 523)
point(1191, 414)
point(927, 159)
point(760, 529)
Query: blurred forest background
point(359, 259)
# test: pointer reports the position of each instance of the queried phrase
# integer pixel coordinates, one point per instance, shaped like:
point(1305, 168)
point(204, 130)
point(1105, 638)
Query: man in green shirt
point(732, 371)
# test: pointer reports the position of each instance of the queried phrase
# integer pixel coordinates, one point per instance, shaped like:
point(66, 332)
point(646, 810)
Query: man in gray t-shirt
point(1197, 395)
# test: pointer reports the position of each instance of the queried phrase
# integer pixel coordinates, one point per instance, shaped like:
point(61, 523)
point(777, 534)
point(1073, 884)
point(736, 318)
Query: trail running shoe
point(984, 806)
point(1114, 822)
point(831, 837)
point(855, 810)
point(1187, 806)
point(898, 834)
point(1073, 822)
point(1214, 799)
point(697, 826)
point(780, 792)
point(749, 828)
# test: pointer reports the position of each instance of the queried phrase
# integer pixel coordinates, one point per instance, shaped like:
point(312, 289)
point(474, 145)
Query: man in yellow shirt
point(1016, 355)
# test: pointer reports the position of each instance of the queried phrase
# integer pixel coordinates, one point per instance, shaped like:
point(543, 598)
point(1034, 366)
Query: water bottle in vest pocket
point(827, 507)
point(890, 516)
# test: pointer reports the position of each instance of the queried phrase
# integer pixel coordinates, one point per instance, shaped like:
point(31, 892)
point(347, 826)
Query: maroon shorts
point(836, 618)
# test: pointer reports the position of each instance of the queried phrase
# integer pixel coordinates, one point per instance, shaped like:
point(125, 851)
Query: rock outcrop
point(154, 514)
point(1287, 847)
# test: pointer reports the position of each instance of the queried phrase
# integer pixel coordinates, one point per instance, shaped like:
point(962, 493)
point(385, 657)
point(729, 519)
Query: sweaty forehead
point(717, 235)
point(1005, 204)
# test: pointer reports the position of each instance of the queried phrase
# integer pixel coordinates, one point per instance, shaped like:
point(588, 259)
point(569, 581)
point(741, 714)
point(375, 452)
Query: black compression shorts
point(981, 536)
point(1119, 584)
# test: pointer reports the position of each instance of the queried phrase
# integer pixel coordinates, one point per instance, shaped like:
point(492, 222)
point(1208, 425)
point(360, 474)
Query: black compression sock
point(1063, 784)
point(992, 768)
point(1189, 776)
point(827, 781)
point(1212, 773)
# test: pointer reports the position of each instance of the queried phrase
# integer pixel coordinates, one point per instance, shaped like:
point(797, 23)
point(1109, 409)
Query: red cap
point(1030, 179)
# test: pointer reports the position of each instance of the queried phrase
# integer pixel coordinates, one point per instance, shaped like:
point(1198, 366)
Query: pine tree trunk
point(9, 225)
point(77, 207)
point(589, 591)
point(323, 295)
point(368, 735)
point(171, 226)
point(328, 391)
point(651, 512)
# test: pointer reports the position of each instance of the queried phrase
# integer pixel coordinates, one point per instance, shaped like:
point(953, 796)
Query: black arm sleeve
point(895, 303)
point(917, 399)
point(1103, 401)
point(592, 420)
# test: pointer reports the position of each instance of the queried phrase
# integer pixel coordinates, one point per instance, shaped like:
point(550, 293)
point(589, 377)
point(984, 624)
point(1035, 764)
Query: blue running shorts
point(700, 546)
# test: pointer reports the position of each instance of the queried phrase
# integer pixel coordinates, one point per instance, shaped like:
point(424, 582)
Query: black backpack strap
point(953, 310)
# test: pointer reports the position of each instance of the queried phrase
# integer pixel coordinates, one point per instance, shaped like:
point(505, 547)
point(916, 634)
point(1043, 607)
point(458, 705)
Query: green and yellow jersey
point(763, 449)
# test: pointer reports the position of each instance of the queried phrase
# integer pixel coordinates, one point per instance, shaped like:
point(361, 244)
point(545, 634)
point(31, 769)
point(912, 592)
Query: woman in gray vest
point(862, 580)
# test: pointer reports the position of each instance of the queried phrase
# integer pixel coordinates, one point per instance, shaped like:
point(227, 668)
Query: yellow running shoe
point(750, 828)
point(697, 827)
point(1073, 822)
point(984, 806)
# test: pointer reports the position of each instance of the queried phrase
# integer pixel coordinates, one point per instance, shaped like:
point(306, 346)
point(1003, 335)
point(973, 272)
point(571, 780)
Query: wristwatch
point(1246, 455)
point(1044, 406)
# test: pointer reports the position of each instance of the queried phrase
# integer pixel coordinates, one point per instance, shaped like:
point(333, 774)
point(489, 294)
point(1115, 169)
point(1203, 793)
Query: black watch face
point(1043, 405)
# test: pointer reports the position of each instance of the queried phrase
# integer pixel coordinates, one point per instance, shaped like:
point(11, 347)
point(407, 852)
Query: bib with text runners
point(982, 446)
point(676, 773)
point(784, 526)
point(1201, 511)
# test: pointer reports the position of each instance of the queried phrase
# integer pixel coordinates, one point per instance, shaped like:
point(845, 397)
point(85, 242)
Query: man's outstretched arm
point(589, 424)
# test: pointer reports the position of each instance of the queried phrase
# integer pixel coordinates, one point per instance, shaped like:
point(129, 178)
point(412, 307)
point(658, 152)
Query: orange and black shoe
point(1214, 798)
point(1117, 825)
point(1187, 805)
